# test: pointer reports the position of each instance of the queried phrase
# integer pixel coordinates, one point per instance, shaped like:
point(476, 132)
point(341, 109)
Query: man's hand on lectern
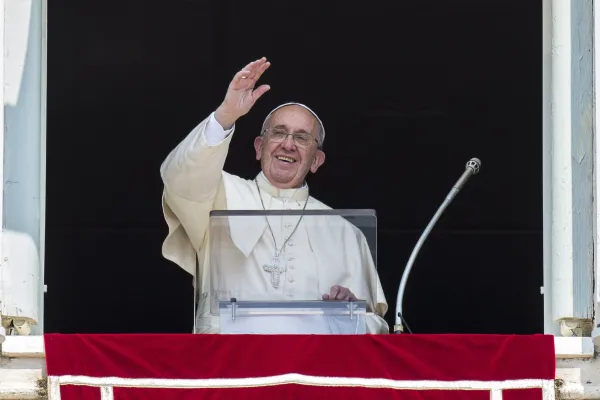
point(241, 95)
point(338, 292)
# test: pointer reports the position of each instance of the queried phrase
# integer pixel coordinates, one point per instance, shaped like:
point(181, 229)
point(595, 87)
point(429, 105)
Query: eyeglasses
point(300, 139)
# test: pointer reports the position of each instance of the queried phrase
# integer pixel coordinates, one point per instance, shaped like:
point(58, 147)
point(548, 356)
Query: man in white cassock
point(274, 258)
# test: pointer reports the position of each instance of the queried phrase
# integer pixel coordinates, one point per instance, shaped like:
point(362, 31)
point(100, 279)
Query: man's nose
point(289, 143)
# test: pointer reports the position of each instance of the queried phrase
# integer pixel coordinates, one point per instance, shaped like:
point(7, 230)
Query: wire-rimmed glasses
point(279, 135)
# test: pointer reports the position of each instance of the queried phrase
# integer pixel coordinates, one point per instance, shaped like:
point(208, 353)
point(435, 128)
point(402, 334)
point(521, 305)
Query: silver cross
point(276, 272)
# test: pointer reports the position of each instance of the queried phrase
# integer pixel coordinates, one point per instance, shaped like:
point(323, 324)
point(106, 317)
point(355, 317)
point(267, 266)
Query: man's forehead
point(295, 106)
point(292, 112)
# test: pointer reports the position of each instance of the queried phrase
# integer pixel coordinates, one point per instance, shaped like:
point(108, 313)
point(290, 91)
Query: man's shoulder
point(236, 180)
point(317, 204)
point(341, 222)
point(238, 191)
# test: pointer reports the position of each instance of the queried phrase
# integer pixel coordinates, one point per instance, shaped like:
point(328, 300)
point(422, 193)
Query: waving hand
point(242, 93)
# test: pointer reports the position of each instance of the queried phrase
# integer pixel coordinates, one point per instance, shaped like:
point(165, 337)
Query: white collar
point(300, 193)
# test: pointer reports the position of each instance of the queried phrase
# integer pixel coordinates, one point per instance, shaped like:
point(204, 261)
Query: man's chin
point(284, 179)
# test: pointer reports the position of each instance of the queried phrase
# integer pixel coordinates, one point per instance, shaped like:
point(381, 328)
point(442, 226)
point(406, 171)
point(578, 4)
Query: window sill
point(573, 348)
point(23, 347)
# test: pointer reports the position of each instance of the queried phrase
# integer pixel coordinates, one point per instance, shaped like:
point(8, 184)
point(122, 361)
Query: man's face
point(286, 160)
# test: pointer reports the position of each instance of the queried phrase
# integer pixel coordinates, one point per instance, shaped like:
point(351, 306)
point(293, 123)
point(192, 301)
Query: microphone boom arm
point(472, 168)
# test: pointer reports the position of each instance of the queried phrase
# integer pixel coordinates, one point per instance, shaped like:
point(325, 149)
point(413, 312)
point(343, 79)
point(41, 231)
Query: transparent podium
point(294, 317)
point(292, 272)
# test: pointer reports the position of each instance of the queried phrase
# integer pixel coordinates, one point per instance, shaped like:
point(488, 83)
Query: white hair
point(320, 132)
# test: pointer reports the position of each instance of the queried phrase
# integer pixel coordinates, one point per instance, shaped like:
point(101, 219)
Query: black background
point(408, 92)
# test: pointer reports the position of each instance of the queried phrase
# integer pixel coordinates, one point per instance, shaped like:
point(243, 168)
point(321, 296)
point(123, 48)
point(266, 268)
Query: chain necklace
point(269, 225)
point(274, 269)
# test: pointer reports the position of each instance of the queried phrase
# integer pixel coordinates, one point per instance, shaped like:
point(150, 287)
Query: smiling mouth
point(286, 159)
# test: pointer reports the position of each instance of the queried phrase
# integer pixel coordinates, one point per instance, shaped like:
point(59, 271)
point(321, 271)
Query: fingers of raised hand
point(254, 70)
point(260, 91)
point(261, 68)
point(240, 77)
point(246, 78)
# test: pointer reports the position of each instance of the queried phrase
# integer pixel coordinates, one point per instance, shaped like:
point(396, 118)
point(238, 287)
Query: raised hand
point(241, 94)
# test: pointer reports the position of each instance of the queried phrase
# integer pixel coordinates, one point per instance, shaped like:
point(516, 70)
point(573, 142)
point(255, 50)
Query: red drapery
point(323, 364)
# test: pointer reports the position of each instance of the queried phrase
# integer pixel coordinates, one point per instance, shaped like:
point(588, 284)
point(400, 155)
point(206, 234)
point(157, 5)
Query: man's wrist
point(226, 120)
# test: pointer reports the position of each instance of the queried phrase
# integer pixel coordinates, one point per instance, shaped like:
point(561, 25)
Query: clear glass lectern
point(271, 271)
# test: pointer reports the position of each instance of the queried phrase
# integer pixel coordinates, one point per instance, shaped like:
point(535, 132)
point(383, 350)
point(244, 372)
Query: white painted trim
point(23, 346)
point(43, 109)
point(597, 141)
point(22, 97)
point(550, 326)
point(2, 330)
point(573, 347)
point(596, 331)
point(562, 202)
point(572, 162)
point(301, 380)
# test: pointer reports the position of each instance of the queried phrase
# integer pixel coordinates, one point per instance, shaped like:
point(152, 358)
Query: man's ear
point(318, 161)
point(258, 146)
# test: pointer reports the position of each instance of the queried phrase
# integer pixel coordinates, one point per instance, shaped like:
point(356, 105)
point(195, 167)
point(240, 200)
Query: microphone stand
point(473, 166)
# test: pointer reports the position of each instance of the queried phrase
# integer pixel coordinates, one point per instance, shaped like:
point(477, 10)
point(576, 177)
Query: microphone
point(473, 166)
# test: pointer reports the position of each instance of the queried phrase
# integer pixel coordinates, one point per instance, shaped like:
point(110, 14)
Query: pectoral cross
point(275, 270)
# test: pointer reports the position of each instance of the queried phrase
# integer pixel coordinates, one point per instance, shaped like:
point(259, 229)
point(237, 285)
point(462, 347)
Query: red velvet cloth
point(394, 357)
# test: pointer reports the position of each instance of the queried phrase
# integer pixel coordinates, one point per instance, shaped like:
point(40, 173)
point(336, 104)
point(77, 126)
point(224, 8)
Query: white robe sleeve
point(376, 324)
point(214, 132)
point(193, 169)
point(192, 175)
